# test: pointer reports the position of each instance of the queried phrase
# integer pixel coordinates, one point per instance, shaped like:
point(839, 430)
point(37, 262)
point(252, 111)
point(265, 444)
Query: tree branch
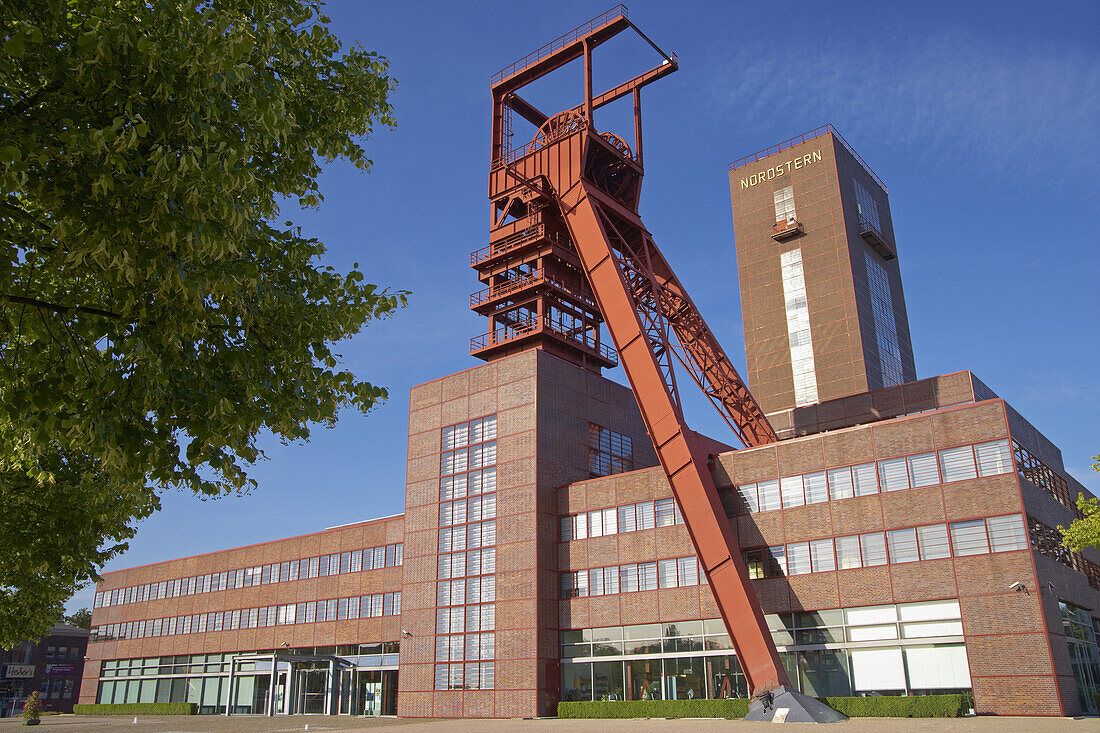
point(61, 309)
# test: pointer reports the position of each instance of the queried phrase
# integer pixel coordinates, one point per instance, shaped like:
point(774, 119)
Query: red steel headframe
point(593, 181)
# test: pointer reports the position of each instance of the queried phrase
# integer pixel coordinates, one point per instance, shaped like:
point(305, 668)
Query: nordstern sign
point(767, 174)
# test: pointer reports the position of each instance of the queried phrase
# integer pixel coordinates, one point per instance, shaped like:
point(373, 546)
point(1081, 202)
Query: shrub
point(32, 708)
point(138, 708)
point(655, 709)
point(914, 706)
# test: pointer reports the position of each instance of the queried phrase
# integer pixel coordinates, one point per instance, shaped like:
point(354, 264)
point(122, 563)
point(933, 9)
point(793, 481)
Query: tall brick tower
point(821, 295)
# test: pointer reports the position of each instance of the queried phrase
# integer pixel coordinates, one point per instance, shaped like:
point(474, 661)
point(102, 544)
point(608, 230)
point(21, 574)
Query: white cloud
point(1020, 109)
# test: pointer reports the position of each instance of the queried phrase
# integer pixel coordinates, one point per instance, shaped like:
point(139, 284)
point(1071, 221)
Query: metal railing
point(523, 236)
point(535, 278)
point(558, 43)
point(818, 132)
point(532, 325)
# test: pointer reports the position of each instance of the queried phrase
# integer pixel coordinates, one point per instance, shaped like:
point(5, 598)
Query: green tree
point(156, 314)
point(81, 618)
point(1084, 532)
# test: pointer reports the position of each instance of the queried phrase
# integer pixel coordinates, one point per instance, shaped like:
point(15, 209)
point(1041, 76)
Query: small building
point(53, 665)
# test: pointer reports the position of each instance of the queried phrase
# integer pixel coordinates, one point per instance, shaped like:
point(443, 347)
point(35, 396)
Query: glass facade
point(886, 329)
point(911, 648)
point(1081, 631)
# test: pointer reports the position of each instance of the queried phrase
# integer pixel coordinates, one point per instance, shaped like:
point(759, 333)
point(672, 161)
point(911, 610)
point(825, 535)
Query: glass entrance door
point(312, 688)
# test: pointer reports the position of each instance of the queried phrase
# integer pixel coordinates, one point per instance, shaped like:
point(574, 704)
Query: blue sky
point(982, 118)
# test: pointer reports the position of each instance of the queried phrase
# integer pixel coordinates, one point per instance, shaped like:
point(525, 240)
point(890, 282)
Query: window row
point(615, 520)
point(472, 536)
point(465, 647)
point(478, 676)
point(462, 511)
point(466, 591)
point(892, 474)
point(676, 572)
point(469, 433)
point(609, 452)
point(372, 558)
point(465, 619)
point(335, 609)
point(461, 564)
point(931, 542)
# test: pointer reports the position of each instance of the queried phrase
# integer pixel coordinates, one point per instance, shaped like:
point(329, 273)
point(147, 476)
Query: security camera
point(405, 633)
point(1019, 586)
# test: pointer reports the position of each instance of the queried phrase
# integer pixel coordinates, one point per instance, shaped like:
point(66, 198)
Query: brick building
point(52, 664)
point(900, 536)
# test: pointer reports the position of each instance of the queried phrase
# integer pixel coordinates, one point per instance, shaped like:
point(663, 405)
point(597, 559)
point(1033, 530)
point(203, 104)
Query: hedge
point(913, 706)
point(655, 709)
point(138, 708)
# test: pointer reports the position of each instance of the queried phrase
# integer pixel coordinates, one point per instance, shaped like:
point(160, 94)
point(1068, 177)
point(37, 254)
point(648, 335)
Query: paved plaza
point(250, 724)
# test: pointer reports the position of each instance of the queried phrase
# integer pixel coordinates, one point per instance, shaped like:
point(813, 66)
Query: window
point(903, 545)
point(866, 207)
point(665, 512)
point(840, 483)
point(847, 553)
point(886, 331)
point(969, 538)
point(775, 562)
point(1007, 533)
point(865, 479)
point(893, 474)
point(957, 464)
point(628, 521)
point(873, 545)
point(822, 556)
point(769, 495)
point(923, 471)
point(687, 571)
point(933, 542)
point(792, 491)
point(817, 488)
point(798, 558)
point(746, 499)
point(784, 204)
point(994, 458)
point(798, 326)
point(608, 452)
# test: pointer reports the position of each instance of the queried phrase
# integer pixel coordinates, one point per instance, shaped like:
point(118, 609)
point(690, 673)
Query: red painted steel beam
point(525, 109)
point(683, 459)
point(641, 80)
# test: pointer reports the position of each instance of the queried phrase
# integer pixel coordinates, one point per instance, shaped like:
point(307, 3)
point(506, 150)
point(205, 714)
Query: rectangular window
point(865, 479)
point(687, 571)
point(840, 483)
point(628, 578)
point(784, 204)
point(609, 452)
point(893, 474)
point(627, 519)
point(817, 488)
point(923, 470)
point(1007, 533)
point(647, 576)
point(969, 538)
point(775, 562)
point(792, 491)
point(886, 331)
point(665, 512)
point(798, 328)
point(957, 464)
point(666, 573)
point(746, 499)
point(798, 558)
point(873, 545)
point(770, 497)
point(933, 542)
point(903, 545)
point(866, 208)
point(994, 458)
point(847, 553)
point(822, 556)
